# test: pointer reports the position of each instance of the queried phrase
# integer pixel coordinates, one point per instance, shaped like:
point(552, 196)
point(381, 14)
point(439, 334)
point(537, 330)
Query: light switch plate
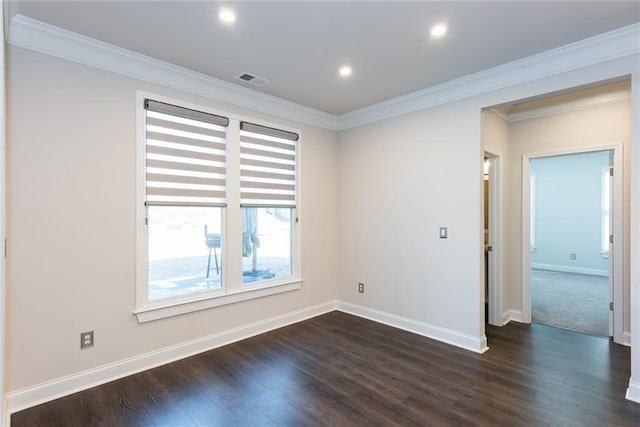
point(443, 232)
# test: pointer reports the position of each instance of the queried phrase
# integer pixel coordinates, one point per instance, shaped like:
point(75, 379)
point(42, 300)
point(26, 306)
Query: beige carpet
point(577, 302)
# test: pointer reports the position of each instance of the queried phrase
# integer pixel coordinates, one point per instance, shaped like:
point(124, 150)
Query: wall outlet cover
point(86, 340)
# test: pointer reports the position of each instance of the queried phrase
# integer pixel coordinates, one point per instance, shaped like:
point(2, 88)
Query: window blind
point(267, 166)
point(185, 156)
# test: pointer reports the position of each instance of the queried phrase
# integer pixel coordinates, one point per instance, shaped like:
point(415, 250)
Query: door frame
point(495, 256)
point(617, 270)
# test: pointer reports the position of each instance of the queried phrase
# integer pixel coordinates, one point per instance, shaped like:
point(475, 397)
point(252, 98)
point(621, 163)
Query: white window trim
point(204, 301)
point(232, 290)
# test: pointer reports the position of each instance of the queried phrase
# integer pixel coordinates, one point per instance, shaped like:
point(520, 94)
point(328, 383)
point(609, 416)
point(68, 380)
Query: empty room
point(275, 213)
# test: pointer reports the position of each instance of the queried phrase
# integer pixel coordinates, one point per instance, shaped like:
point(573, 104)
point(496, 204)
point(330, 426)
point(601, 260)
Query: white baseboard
point(633, 391)
point(570, 269)
point(25, 398)
point(31, 396)
point(468, 342)
point(44, 392)
point(512, 315)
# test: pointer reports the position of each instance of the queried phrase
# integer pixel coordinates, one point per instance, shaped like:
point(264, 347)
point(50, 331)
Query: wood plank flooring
point(342, 370)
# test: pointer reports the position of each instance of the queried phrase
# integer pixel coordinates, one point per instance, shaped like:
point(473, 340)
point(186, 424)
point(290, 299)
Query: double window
point(217, 210)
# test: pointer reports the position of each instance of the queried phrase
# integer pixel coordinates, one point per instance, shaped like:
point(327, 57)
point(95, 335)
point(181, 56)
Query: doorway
point(570, 228)
point(581, 119)
point(589, 277)
point(492, 239)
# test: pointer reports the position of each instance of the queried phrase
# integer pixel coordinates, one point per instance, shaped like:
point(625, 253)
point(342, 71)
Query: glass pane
point(266, 243)
point(184, 250)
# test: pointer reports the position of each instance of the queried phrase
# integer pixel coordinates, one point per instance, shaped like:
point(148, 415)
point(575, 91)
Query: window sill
point(149, 314)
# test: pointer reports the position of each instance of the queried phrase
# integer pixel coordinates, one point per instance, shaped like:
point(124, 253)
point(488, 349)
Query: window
point(188, 210)
point(268, 198)
point(606, 206)
point(177, 255)
point(185, 191)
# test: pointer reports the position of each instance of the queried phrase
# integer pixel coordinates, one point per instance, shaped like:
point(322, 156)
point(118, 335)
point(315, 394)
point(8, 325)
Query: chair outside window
point(212, 241)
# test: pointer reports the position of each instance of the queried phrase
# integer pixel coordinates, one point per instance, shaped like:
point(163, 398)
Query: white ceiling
point(299, 45)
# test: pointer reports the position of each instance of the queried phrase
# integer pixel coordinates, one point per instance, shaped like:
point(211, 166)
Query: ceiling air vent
point(253, 79)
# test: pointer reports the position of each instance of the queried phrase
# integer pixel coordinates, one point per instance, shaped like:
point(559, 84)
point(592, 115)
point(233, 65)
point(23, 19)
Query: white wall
point(71, 214)
point(568, 212)
point(400, 180)
point(403, 177)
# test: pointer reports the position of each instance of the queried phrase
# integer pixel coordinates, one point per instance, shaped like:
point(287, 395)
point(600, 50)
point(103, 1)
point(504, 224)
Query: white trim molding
point(495, 258)
point(626, 338)
point(38, 36)
point(28, 397)
point(617, 269)
point(599, 100)
point(449, 336)
point(512, 315)
point(3, 208)
point(50, 40)
point(149, 314)
point(633, 391)
point(570, 269)
point(59, 387)
point(594, 50)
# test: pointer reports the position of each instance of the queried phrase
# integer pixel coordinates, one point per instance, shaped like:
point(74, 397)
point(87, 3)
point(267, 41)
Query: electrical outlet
point(86, 340)
point(361, 287)
point(573, 256)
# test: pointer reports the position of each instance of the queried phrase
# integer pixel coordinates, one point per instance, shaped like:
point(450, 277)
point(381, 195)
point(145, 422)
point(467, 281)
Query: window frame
point(232, 290)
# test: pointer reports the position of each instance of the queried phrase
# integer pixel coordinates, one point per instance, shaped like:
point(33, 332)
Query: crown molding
point(500, 114)
point(575, 105)
point(601, 48)
point(50, 40)
point(38, 36)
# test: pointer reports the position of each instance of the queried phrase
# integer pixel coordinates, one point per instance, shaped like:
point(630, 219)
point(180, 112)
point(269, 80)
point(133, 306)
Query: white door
point(608, 208)
point(493, 260)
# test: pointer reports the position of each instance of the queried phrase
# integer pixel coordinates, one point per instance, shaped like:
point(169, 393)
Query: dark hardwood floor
point(342, 370)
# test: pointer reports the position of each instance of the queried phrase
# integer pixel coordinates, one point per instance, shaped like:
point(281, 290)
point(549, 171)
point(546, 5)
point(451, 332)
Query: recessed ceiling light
point(345, 71)
point(227, 15)
point(439, 30)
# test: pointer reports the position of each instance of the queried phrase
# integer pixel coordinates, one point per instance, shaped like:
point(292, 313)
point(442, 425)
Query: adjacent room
point(320, 213)
point(570, 223)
